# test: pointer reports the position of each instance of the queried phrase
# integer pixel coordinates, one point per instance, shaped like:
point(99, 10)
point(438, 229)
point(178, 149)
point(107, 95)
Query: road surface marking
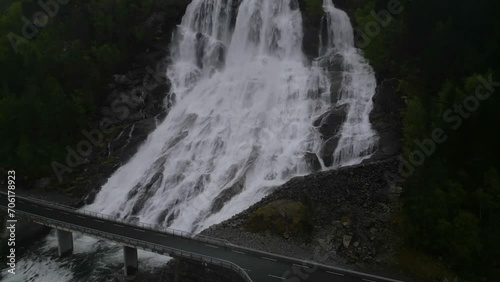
point(304, 266)
point(80, 216)
point(99, 220)
point(238, 252)
point(277, 277)
point(340, 274)
point(139, 230)
point(211, 246)
point(367, 280)
point(118, 225)
point(268, 259)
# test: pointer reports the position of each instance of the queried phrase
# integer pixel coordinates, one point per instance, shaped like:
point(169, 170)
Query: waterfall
point(240, 124)
point(357, 140)
point(244, 104)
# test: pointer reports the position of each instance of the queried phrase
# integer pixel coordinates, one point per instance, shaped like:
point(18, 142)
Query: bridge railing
point(153, 227)
point(136, 243)
point(212, 240)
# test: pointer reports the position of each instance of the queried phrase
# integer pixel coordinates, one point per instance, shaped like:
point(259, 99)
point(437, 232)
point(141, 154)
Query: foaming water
point(92, 260)
point(244, 99)
point(240, 124)
point(357, 139)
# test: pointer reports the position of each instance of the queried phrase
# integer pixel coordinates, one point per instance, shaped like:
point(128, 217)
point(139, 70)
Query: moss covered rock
point(283, 217)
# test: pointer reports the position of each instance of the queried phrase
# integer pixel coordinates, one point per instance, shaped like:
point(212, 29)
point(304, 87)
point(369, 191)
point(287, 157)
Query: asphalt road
point(261, 267)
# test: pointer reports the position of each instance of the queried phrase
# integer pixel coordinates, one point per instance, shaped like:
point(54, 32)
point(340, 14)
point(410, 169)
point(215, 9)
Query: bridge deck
point(251, 264)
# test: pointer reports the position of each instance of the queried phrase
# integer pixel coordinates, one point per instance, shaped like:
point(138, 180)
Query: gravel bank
point(352, 215)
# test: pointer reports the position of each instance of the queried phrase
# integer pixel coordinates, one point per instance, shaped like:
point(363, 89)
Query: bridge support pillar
point(131, 260)
point(64, 242)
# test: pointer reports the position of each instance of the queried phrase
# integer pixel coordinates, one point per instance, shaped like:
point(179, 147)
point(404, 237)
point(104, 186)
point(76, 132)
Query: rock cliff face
point(386, 119)
point(137, 100)
point(311, 26)
point(388, 104)
point(136, 103)
point(312, 18)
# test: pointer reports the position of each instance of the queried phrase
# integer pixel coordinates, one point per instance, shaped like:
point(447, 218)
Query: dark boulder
point(312, 161)
point(330, 122)
point(336, 79)
point(327, 149)
point(227, 194)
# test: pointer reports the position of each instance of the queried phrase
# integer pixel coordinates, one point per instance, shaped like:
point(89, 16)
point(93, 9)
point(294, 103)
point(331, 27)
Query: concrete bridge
point(252, 265)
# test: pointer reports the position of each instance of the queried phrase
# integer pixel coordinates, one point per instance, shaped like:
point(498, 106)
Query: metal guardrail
point(199, 238)
point(306, 263)
point(135, 243)
point(154, 227)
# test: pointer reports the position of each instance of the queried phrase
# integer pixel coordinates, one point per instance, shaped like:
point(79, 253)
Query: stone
point(311, 29)
point(346, 241)
point(336, 79)
point(143, 127)
point(327, 149)
point(332, 62)
point(312, 161)
point(332, 122)
point(356, 244)
point(227, 194)
point(161, 90)
point(135, 117)
point(346, 221)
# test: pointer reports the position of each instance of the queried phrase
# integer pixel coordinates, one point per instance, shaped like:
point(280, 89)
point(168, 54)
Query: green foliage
point(452, 201)
point(52, 84)
point(379, 47)
point(281, 217)
point(413, 122)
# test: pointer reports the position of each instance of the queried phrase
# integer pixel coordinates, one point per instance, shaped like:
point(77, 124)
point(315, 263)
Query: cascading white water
point(241, 122)
point(357, 138)
point(244, 101)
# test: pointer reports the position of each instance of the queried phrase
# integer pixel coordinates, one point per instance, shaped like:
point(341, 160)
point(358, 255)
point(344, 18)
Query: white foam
point(242, 114)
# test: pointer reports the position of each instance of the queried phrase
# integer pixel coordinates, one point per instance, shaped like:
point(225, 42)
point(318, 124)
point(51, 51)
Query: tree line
point(445, 56)
point(57, 57)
